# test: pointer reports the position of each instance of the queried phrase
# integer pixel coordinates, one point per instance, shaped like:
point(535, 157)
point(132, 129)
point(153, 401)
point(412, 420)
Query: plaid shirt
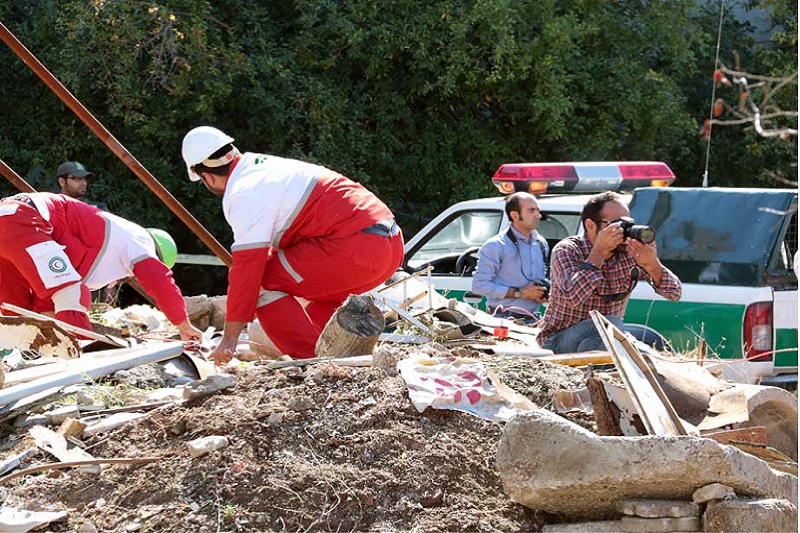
point(575, 290)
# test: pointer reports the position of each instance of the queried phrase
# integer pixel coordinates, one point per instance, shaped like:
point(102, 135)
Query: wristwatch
point(517, 294)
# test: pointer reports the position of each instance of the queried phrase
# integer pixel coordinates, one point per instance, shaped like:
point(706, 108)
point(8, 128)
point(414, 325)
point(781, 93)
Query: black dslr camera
point(631, 230)
point(546, 284)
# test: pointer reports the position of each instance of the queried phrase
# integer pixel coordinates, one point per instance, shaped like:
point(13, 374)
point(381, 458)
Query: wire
point(713, 93)
point(520, 310)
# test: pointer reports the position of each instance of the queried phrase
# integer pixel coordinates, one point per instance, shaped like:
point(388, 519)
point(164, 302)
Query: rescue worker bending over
point(54, 250)
point(301, 231)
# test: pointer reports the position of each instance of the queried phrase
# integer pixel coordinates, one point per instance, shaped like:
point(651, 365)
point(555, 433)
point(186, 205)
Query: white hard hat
point(199, 144)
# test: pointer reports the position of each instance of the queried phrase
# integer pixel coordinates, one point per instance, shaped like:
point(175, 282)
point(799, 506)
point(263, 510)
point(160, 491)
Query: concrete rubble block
point(199, 309)
point(713, 491)
point(550, 464)
point(218, 304)
point(658, 508)
point(635, 524)
point(756, 516)
point(207, 387)
point(600, 526)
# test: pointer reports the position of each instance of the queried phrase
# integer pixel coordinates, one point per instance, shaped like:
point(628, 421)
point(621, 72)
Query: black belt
point(385, 228)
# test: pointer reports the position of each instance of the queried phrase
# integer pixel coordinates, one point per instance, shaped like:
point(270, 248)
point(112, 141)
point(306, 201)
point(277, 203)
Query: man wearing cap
point(73, 179)
point(55, 249)
point(301, 232)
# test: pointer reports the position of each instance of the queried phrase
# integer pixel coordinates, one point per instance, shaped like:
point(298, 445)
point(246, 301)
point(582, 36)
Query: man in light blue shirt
point(512, 266)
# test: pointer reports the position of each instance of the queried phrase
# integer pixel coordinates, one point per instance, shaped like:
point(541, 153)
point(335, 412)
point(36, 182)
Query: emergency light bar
point(538, 178)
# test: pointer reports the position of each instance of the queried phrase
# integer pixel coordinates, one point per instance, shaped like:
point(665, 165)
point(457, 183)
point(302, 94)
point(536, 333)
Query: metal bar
point(82, 371)
point(142, 173)
point(15, 178)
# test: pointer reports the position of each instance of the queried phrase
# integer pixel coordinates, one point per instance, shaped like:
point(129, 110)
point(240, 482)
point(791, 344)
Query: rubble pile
point(444, 426)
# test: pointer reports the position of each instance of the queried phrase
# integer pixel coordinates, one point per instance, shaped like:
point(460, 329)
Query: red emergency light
point(538, 178)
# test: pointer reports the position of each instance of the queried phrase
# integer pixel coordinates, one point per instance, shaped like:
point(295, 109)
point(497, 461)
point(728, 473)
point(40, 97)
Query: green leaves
point(421, 101)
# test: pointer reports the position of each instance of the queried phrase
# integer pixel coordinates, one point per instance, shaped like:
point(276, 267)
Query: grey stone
point(714, 491)
point(58, 415)
point(203, 445)
point(550, 464)
point(218, 304)
point(602, 526)
point(635, 524)
point(659, 508)
point(301, 403)
point(212, 384)
point(756, 516)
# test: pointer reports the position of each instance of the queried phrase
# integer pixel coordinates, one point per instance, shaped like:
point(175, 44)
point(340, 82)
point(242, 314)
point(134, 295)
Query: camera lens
point(644, 234)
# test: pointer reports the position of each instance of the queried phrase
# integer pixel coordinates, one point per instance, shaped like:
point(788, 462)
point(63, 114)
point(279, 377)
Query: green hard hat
point(165, 245)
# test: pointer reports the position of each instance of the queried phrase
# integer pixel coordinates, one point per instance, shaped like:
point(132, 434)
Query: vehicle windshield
point(716, 236)
point(466, 230)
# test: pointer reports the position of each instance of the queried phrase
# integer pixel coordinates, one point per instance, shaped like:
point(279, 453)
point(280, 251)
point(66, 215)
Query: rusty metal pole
point(15, 178)
point(142, 173)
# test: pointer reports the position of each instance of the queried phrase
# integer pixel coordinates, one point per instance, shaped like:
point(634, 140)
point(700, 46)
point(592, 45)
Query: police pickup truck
point(732, 249)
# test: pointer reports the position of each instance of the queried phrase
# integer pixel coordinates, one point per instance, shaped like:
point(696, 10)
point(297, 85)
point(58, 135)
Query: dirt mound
point(323, 448)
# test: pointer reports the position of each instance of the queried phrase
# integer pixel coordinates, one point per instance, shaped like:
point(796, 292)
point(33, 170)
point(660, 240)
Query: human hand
point(645, 255)
point(188, 332)
point(225, 351)
point(534, 292)
point(609, 238)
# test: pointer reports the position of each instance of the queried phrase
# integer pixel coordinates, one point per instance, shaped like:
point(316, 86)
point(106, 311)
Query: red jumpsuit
point(302, 231)
point(51, 242)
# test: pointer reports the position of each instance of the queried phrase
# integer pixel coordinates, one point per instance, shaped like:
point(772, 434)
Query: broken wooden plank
point(579, 359)
point(401, 312)
point(425, 270)
point(108, 339)
point(353, 329)
point(72, 427)
point(754, 434)
point(28, 402)
point(655, 409)
point(11, 463)
point(603, 411)
point(56, 445)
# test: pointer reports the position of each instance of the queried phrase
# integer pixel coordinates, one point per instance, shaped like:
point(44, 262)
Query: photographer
point(512, 266)
point(598, 270)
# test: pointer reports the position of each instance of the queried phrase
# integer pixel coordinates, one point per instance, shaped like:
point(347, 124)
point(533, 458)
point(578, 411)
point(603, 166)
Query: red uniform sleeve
point(156, 278)
point(244, 283)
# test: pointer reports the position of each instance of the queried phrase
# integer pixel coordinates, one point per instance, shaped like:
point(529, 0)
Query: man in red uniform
point(301, 231)
point(55, 249)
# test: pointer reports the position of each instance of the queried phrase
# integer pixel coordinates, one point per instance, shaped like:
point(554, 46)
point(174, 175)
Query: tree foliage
point(421, 101)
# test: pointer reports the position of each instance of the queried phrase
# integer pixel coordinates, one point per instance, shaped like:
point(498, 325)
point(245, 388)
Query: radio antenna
point(713, 94)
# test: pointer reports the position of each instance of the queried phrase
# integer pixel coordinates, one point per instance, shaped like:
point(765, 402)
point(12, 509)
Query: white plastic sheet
point(459, 384)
